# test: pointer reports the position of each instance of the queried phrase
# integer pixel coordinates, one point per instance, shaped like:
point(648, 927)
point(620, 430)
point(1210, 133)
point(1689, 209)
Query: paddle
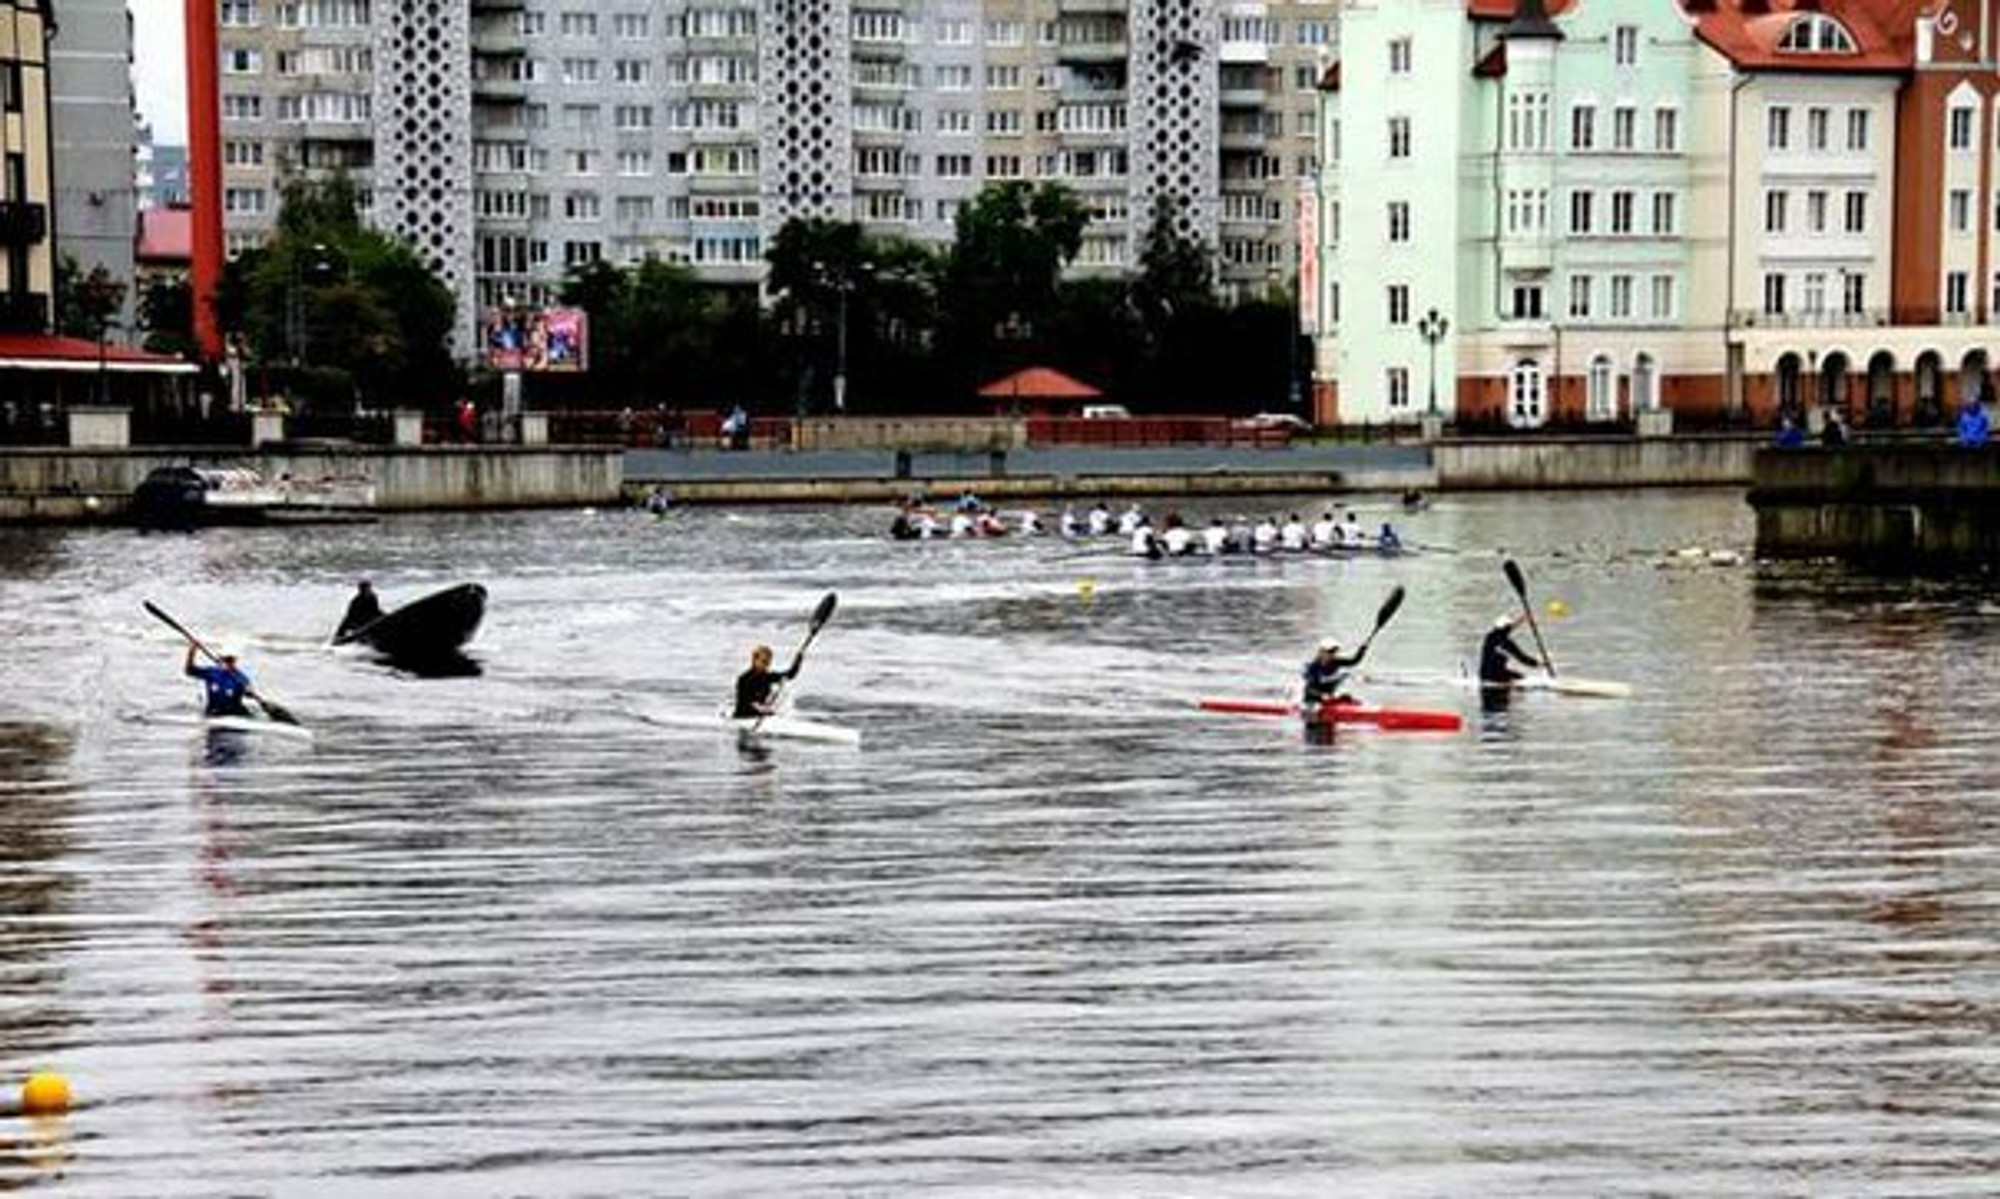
point(1388, 610)
point(1520, 586)
point(277, 711)
point(820, 616)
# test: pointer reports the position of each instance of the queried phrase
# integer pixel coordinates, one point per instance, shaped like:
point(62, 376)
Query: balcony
point(500, 90)
point(1113, 8)
point(22, 223)
point(1101, 50)
point(24, 312)
point(1866, 318)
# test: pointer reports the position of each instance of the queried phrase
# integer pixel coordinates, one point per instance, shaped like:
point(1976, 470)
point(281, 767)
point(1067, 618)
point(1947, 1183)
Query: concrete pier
point(1919, 509)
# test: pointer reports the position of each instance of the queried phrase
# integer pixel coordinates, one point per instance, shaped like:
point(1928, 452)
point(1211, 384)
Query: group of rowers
point(1173, 537)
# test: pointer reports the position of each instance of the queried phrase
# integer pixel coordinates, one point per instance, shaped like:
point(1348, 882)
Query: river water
point(1051, 929)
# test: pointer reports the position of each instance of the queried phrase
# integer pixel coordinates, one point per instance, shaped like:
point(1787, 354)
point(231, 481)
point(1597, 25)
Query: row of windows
point(1818, 128)
point(1613, 297)
point(296, 14)
point(880, 25)
point(1814, 209)
point(1401, 51)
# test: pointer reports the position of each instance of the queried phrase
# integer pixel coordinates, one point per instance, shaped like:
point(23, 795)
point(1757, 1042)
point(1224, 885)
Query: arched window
point(1601, 399)
point(1526, 396)
point(1816, 33)
point(1645, 384)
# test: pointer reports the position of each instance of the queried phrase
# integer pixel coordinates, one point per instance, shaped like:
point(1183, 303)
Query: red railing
point(1153, 431)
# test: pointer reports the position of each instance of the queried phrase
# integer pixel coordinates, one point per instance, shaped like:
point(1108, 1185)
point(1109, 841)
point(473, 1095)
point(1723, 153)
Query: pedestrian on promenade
point(1973, 429)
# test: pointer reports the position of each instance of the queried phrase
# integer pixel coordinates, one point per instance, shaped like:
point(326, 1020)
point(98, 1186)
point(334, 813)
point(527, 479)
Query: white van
point(1106, 412)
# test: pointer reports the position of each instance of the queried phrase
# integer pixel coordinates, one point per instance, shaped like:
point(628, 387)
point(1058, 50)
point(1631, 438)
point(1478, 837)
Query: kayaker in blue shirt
point(756, 688)
point(225, 685)
point(1326, 676)
point(1497, 648)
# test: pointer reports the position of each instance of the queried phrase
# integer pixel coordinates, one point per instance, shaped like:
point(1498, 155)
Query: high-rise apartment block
point(512, 140)
point(27, 187)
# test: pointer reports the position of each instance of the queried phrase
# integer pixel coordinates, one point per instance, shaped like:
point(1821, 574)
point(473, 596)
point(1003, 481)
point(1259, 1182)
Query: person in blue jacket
point(225, 686)
point(1972, 425)
point(1790, 434)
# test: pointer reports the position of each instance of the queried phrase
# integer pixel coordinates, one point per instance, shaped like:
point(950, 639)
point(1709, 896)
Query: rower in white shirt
point(1323, 533)
point(1215, 538)
point(1265, 536)
point(1293, 536)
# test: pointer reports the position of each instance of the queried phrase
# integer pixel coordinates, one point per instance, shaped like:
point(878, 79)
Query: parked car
point(1276, 420)
point(1106, 412)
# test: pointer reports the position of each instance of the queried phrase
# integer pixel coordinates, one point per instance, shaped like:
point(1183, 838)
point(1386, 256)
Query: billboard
point(536, 339)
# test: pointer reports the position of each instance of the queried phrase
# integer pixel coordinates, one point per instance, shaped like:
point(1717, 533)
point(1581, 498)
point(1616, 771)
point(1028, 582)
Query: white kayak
point(782, 727)
point(786, 727)
point(1555, 684)
point(259, 725)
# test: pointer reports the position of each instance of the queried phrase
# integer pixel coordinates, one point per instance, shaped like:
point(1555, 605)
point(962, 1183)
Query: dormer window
point(1817, 33)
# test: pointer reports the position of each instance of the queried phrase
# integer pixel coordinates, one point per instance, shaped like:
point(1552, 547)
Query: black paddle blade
point(1514, 578)
point(1389, 607)
point(824, 612)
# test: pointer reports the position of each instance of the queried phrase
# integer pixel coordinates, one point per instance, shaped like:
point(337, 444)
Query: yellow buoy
point(1086, 589)
point(45, 1094)
point(1558, 608)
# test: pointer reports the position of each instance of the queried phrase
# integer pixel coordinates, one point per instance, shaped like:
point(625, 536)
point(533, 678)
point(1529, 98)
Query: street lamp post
point(840, 352)
point(1432, 328)
point(104, 328)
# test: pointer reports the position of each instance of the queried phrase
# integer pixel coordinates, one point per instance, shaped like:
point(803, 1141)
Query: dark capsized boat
point(434, 628)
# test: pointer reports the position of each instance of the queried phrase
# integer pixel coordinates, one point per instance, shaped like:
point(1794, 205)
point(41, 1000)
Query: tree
point(1004, 268)
point(1176, 269)
point(86, 305)
point(854, 306)
point(339, 313)
point(166, 313)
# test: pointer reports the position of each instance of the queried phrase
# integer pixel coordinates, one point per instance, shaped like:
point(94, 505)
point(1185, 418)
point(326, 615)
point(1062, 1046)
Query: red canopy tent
point(1037, 391)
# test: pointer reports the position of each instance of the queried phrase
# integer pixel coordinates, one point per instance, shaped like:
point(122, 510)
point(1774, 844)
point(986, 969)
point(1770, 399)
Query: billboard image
point(530, 339)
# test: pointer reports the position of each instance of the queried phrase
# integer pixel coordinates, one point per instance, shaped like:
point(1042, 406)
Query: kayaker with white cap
point(1326, 676)
point(1498, 646)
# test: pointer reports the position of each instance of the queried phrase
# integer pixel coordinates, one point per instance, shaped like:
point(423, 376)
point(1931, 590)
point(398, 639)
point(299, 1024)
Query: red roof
point(1747, 33)
point(1504, 10)
point(166, 235)
point(1039, 383)
point(39, 351)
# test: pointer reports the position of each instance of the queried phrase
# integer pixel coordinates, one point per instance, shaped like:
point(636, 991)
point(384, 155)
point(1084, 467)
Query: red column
point(205, 171)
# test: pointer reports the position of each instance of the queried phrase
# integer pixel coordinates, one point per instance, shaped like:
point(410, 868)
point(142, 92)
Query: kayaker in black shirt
point(1326, 676)
point(362, 609)
point(756, 688)
point(1494, 668)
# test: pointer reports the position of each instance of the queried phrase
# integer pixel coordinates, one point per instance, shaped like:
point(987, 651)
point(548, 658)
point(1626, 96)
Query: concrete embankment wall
point(74, 484)
point(1905, 508)
point(1576, 462)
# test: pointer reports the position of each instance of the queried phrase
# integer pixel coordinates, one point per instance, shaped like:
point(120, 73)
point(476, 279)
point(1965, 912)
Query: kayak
point(434, 627)
point(1388, 719)
point(786, 727)
point(782, 727)
point(256, 724)
point(1563, 684)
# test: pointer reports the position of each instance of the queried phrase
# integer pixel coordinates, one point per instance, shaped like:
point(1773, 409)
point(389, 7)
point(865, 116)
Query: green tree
point(1176, 269)
point(661, 336)
point(1002, 274)
point(848, 303)
point(166, 313)
point(338, 313)
point(86, 305)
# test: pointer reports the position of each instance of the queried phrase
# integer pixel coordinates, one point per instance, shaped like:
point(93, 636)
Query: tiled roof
point(1747, 33)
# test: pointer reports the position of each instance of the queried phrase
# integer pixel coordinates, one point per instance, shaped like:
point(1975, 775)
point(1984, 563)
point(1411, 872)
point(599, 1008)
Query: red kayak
point(1394, 719)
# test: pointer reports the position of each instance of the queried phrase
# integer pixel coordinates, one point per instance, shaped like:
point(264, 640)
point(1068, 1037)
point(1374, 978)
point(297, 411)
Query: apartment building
point(27, 186)
point(516, 139)
point(93, 120)
point(1593, 210)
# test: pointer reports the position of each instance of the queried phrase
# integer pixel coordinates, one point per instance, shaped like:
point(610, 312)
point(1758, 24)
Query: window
point(954, 31)
point(1399, 221)
point(635, 163)
point(1579, 211)
point(238, 14)
point(242, 154)
point(1625, 45)
point(1854, 290)
point(1621, 297)
point(1003, 78)
point(1857, 212)
point(236, 107)
point(1621, 213)
point(632, 118)
point(1583, 127)
point(582, 206)
point(1815, 211)
point(632, 72)
point(1819, 122)
point(1812, 292)
point(1624, 128)
point(954, 122)
point(1399, 137)
point(1525, 392)
point(1958, 135)
point(631, 27)
point(243, 201)
point(1399, 56)
point(1399, 304)
point(1667, 130)
point(1956, 286)
point(579, 70)
point(1959, 209)
point(1396, 385)
point(1527, 302)
point(1774, 211)
point(1003, 121)
point(1816, 33)
point(954, 166)
point(1004, 33)
point(1665, 213)
point(954, 78)
point(578, 24)
point(1778, 128)
point(1580, 289)
point(1857, 129)
point(242, 62)
point(1774, 294)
